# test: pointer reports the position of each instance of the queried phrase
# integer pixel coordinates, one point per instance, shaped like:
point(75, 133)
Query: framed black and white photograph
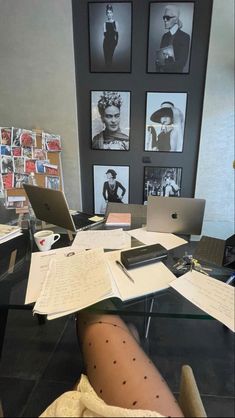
point(110, 184)
point(170, 37)
point(110, 120)
point(110, 36)
point(162, 181)
point(165, 121)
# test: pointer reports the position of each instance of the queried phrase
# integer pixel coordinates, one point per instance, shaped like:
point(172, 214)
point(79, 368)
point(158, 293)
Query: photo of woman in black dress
point(111, 188)
point(111, 184)
point(110, 36)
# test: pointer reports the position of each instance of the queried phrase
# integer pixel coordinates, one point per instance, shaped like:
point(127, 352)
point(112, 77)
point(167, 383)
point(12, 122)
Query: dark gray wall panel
point(138, 82)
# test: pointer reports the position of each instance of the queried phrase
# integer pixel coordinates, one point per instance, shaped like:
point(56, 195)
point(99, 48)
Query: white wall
point(215, 175)
point(37, 76)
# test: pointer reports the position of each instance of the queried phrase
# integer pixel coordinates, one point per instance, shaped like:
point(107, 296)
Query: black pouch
point(140, 256)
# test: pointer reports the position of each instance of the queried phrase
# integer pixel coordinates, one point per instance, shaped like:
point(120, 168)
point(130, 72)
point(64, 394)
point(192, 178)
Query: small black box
point(140, 256)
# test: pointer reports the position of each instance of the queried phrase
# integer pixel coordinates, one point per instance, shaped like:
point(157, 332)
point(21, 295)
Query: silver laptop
point(179, 215)
point(51, 206)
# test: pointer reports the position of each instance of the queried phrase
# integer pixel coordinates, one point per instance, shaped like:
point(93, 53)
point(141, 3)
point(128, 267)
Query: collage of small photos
point(22, 152)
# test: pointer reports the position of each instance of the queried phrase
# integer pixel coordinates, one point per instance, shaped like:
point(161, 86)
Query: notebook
point(177, 215)
point(216, 251)
point(51, 206)
point(115, 219)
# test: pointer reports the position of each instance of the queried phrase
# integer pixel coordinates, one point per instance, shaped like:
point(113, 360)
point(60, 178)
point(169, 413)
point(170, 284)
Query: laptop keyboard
point(210, 250)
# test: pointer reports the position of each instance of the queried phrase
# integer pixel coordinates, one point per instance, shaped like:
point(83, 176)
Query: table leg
point(3, 322)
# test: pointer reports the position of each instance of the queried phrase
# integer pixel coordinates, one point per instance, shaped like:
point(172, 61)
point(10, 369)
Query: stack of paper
point(112, 240)
point(8, 232)
point(84, 278)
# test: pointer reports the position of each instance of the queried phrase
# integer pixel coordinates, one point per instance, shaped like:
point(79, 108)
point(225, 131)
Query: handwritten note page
point(212, 296)
point(148, 279)
point(112, 239)
point(38, 270)
point(168, 241)
point(75, 282)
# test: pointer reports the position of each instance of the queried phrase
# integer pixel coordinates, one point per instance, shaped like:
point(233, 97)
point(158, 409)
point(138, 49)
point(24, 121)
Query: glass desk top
point(166, 303)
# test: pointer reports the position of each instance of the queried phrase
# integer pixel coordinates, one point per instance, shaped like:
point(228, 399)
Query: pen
point(121, 266)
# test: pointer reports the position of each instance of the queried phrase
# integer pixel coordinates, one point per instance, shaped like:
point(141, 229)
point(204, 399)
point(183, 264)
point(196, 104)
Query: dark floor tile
point(42, 396)
point(66, 362)
point(28, 345)
point(14, 395)
point(217, 406)
point(204, 345)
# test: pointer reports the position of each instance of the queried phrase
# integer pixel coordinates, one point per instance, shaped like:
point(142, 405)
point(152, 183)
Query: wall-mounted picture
point(110, 32)
point(5, 136)
point(110, 120)
point(170, 37)
point(111, 184)
point(7, 165)
point(165, 121)
point(162, 181)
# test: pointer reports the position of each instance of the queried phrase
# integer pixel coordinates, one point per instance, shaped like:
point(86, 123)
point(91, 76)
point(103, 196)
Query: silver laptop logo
point(174, 215)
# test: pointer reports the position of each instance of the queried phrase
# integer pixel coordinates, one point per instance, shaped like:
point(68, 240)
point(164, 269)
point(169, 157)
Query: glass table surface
point(165, 303)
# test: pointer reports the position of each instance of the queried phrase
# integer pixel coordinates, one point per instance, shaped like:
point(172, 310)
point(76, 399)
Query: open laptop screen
point(177, 215)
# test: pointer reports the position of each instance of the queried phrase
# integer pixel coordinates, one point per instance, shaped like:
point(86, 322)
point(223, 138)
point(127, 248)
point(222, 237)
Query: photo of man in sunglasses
point(169, 51)
point(175, 42)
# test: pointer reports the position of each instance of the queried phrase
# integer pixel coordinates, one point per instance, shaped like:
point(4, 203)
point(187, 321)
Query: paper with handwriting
point(112, 239)
point(38, 270)
point(211, 295)
point(167, 240)
point(73, 283)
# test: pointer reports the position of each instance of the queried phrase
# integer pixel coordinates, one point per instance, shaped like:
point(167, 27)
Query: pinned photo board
point(15, 197)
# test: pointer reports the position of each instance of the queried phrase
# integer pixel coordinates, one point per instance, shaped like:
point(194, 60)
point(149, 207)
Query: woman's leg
point(118, 369)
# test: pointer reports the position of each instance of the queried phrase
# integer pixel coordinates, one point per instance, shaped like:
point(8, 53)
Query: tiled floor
point(41, 362)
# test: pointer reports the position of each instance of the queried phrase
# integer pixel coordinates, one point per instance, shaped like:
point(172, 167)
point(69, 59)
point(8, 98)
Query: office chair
point(189, 396)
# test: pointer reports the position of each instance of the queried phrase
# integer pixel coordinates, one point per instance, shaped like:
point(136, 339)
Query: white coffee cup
point(45, 239)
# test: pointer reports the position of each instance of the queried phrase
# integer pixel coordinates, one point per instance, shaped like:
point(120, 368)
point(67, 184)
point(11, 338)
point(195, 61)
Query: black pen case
point(140, 256)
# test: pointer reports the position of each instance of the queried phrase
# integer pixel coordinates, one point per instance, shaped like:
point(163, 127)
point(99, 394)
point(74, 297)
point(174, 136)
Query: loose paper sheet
point(148, 279)
point(73, 283)
point(209, 294)
point(38, 270)
point(168, 241)
point(112, 239)
point(8, 232)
